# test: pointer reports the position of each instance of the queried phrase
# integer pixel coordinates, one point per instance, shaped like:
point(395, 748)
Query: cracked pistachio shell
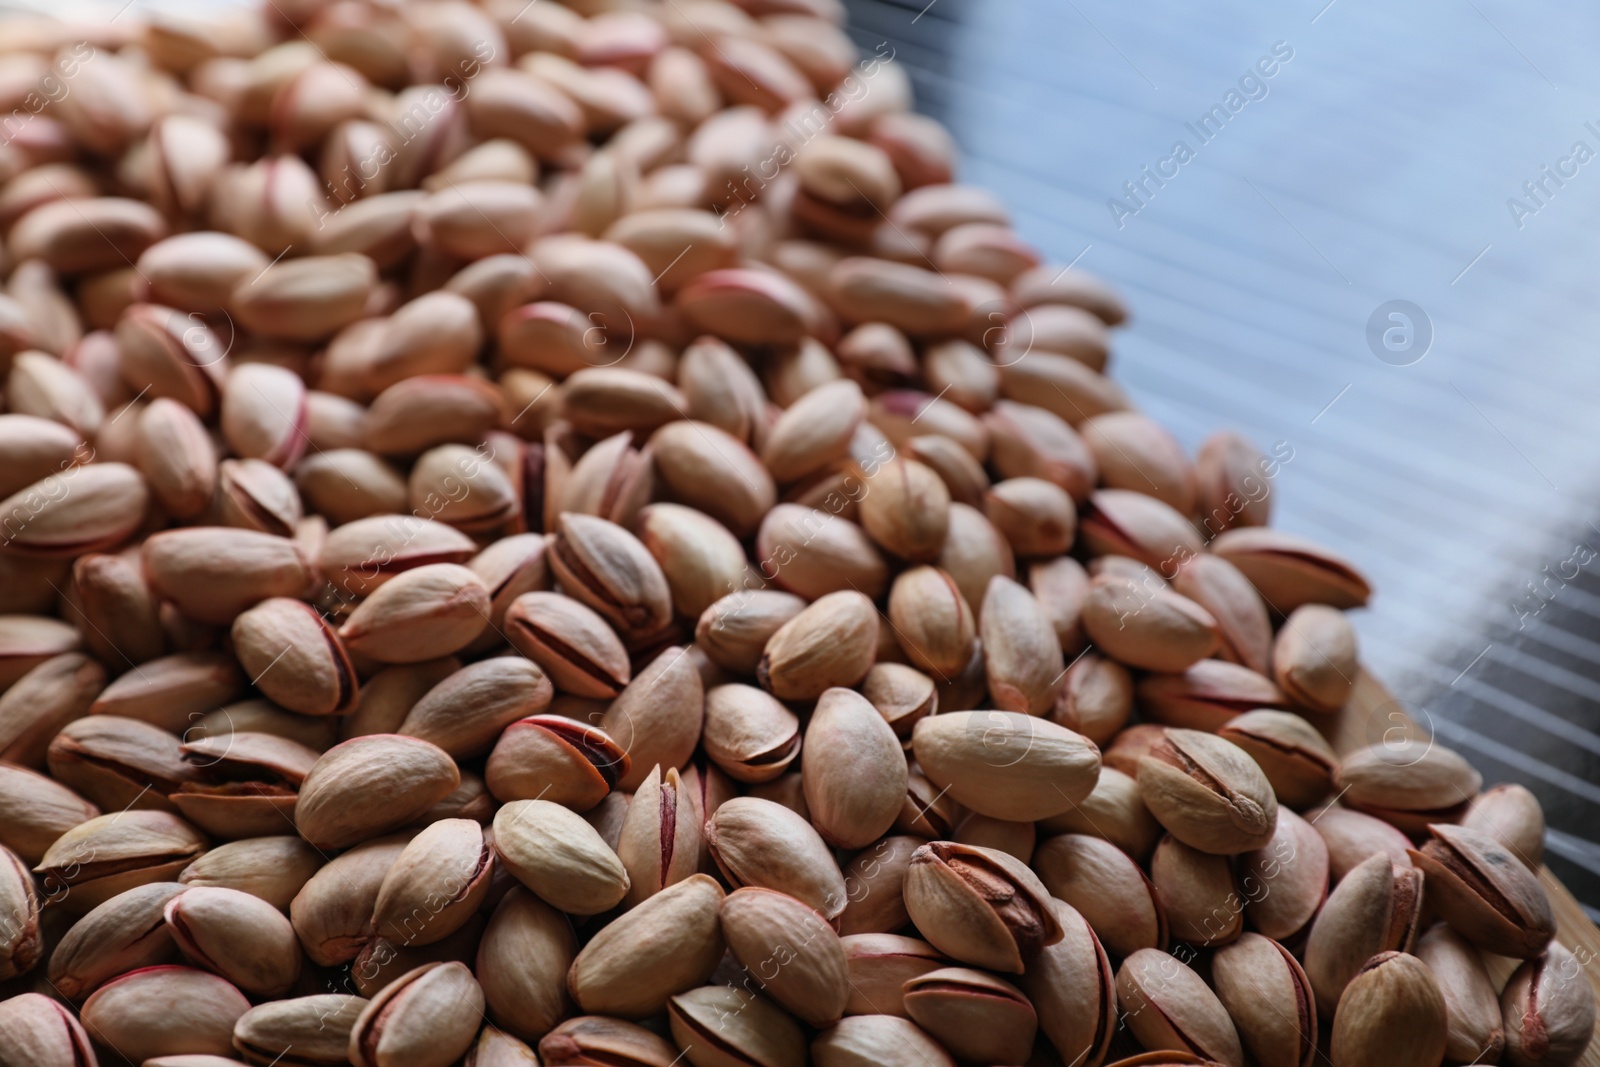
point(98, 859)
point(1206, 696)
point(35, 810)
point(659, 717)
point(1285, 882)
point(465, 713)
point(669, 944)
point(879, 965)
point(552, 757)
point(425, 1018)
point(791, 950)
point(750, 735)
point(119, 763)
point(420, 614)
point(1376, 908)
point(1168, 1006)
point(370, 785)
point(578, 650)
point(761, 843)
point(1207, 792)
point(720, 1025)
point(159, 1011)
point(659, 842)
point(239, 936)
point(1230, 479)
point(1198, 894)
point(1476, 1029)
point(1119, 522)
point(295, 658)
point(855, 773)
point(974, 1015)
point(1391, 1014)
point(1297, 760)
point(1269, 998)
point(1548, 1007)
point(246, 784)
point(522, 963)
point(20, 942)
point(1241, 614)
point(979, 906)
point(560, 857)
point(832, 642)
point(932, 621)
point(1072, 988)
point(360, 557)
point(436, 884)
point(1151, 628)
point(42, 1032)
point(877, 1041)
point(1485, 892)
point(604, 566)
point(310, 1030)
point(1022, 657)
point(1107, 890)
point(123, 934)
point(903, 695)
point(1315, 659)
point(1006, 765)
point(1289, 571)
point(593, 1039)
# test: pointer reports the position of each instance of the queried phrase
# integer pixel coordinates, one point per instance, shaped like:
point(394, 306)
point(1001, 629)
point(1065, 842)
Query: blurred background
point(1456, 459)
point(1380, 254)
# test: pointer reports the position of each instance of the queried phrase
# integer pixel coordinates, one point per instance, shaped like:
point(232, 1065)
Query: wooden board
point(1372, 713)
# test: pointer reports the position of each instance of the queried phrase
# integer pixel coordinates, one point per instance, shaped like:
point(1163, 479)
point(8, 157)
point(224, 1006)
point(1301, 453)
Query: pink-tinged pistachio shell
point(1106, 887)
point(213, 573)
point(361, 556)
point(1483, 891)
point(1241, 614)
point(1391, 1014)
point(1314, 658)
point(980, 906)
point(761, 843)
point(1206, 696)
point(294, 657)
point(159, 1011)
point(666, 945)
point(436, 884)
point(1022, 657)
point(1198, 894)
point(879, 965)
point(749, 307)
point(714, 472)
point(425, 1018)
point(1005, 764)
point(420, 614)
point(465, 713)
point(1296, 759)
point(1476, 1029)
point(1375, 908)
point(1512, 815)
point(557, 759)
point(581, 654)
point(1124, 523)
point(171, 691)
point(246, 784)
point(78, 510)
point(1285, 882)
point(1290, 571)
point(762, 926)
point(92, 234)
point(1031, 442)
point(813, 552)
point(98, 859)
point(1269, 997)
point(1410, 782)
point(1150, 628)
point(237, 935)
point(871, 1040)
point(1168, 1006)
point(1548, 1007)
point(855, 775)
point(370, 785)
point(38, 1030)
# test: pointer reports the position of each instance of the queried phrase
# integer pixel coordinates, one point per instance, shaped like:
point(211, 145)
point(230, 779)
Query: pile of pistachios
point(557, 533)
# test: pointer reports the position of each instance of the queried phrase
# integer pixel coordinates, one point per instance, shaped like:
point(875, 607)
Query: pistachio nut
point(879, 965)
point(159, 1011)
point(1095, 698)
point(590, 1039)
point(1206, 696)
point(813, 552)
point(1285, 882)
point(1071, 390)
point(294, 657)
point(581, 654)
point(370, 785)
point(246, 784)
point(1072, 988)
point(974, 1015)
point(979, 906)
point(903, 695)
point(1289, 571)
point(239, 936)
point(1353, 837)
point(1106, 889)
point(607, 568)
point(712, 471)
point(119, 763)
point(1475, 1028)
point(701, 560)
point(1060, 586)
point(96, 860)
point(510, 567)
point(1512, 815)
point(832, 642)
point(20, 940)
point(1548, 1009)
point(426, 1018)
point(668, 944)
point(1125, 523)
point(1375, 908)
point(35, 810)
point(1153, 629)
point(789, 952)
point(213, 573)
point(1230, 482)
point(855, 776)
point(1314, 658)
point(1197, 893)
point(81, 509)
point(560, 857)
point(814, 431)
point(1410, 782)
point(1168, 1006)
point(974, 553)
point(1391, 1013)
point(1005, 764)
point(272, 868)
point(932, 621)
point(1489, 896)
point(423, 613)
point(1207, 792)
point(177, 458)
point(436, 884)
point(1297, 760)
point(119, 611)
point(718, 1024)
point(522, 964)
point(36, 1029)
point(877, 1041)
point(1269, 997)
point(762, 843)
point(125, 933)
point(300, 1032)
point(1022, 657)
point(1114, 811)
point(305, 299)
point(465, 713)
point(659, 841)
point(359, 557)
point(658, 717)
point(1241, 614)
point(734, 630)
point(874, 886)
point(905, 508)
point(252, 494)
point(555, 758)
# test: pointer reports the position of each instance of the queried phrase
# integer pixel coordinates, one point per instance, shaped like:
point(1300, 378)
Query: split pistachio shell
point(1168, 1006)
point(588, 1039)
point(980, 906)
point(426, 1018)
point(294, 657)
point(1269, 998)
point(1106, 889)
point(1484, 892)
point(1285, 882)
point(436, 884)
point(580, 653)
point(1297, 760)
point(273, 868)
point(1548, 1010)
point(430, 611)
point(1241, 614)
point(1208, 793)
point(98, 859)
point(659, 841)
point(36, 1029)
point(711, 1019)
point(975, 1015)
point(555, 758)
point(1095, 698)
point(236, 935)
point(1006, 765)
point(1353, 837)
point(1375, 908)
point(830, 643)
point(1290, 571)
point(659, 717)
point(465, 713)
